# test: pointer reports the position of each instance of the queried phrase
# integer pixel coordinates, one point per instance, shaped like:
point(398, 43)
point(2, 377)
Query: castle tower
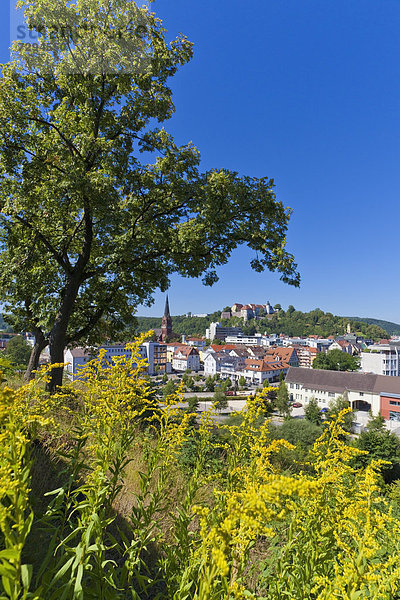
point(166, 323)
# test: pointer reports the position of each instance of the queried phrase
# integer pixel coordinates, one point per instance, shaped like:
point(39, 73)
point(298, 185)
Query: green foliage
point(18, 351)
point(389, 327)
point(242, 381)
point(169, 388)
point(164, 378)
point(210, 384)
point(6, 366)
point(336, 360)
point(336, 407)
point(104, 227)
point(296, 323)
point(313, 412)
point(380, 444)
point(193, 404)
point(4, 326)
point(219, 399)
point(282, 400)
point(185, 512)
point(297, 432)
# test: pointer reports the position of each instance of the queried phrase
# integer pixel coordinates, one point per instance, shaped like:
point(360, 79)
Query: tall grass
point(103, 495)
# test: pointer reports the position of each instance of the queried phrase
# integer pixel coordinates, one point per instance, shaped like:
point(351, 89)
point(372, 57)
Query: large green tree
point(18, 351)
point(282, 400)
point(99, 206)
point(336, 360)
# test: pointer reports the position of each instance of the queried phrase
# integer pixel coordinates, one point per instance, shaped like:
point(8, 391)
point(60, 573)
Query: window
point(394, 403)
point(361, 393)
point(291, 386)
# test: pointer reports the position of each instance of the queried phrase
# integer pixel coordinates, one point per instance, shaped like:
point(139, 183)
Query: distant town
point(366, 371)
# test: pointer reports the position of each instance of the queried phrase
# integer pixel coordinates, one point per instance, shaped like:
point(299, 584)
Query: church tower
point(166, 323)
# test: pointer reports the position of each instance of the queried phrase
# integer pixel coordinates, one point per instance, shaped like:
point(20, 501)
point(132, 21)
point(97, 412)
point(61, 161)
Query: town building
point(306, 356)
point(365, 391)
point(154, 353)
point(186, 357)
point(217, 332)
point(382, 359)
point(286, 355)
point(246, 340)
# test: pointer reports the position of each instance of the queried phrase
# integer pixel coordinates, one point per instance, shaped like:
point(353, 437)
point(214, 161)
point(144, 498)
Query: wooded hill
point(391, 328)
point(291, 322)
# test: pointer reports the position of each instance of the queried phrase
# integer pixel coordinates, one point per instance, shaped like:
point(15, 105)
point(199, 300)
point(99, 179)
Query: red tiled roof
point(186, 351)
point(221, 347)
point(283, 353)
point(254, 364)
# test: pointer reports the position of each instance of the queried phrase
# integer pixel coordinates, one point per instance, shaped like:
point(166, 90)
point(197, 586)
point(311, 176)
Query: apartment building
point(382, 359)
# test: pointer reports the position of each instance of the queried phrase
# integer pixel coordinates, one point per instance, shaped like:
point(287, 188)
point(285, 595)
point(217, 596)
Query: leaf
point(26, 575)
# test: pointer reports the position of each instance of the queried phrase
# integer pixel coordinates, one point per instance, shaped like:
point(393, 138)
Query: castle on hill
point(248, 311)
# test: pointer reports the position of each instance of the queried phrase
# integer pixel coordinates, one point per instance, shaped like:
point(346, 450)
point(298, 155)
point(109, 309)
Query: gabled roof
point(334, 381)
point(224, 347)
point(254, 364)
point(284, 353)
point(186, 351)
point(79, 352)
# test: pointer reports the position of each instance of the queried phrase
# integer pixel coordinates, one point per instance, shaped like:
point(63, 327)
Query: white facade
point(246, 340)
point(211, 366)
point(78, 357)
point(382, 359)
point(182, 361)
point(303, 394)
point(216, 331)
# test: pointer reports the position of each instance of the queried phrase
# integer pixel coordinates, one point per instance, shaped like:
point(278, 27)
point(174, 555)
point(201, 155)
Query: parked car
point(324, 410)
point(297, 405)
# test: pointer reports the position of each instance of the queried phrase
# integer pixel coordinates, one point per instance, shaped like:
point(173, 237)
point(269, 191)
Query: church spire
point(166, 323)
point(166, 310)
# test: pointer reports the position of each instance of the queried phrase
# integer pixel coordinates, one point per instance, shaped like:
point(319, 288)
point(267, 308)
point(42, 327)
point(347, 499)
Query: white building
point(382, 359)
point(245, 340)
point(216, 331)
point(186, 357)
point(325, 386)
point(153, 352)
point(211, 363)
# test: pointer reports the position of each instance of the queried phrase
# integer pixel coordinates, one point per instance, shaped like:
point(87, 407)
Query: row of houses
point(160, 357)
point(254, 364)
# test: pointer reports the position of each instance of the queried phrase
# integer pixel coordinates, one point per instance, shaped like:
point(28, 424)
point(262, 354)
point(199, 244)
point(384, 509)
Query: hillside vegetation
point(291, 322)
point(391, 328)
point(129, 501)
point(3, 325)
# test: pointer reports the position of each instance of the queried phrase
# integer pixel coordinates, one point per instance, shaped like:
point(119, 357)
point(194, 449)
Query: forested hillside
point(291, 322)
point(391, 328)
point(3, 325)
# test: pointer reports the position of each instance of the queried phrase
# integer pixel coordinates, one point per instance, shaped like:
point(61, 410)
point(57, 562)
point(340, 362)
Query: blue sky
point(306, 92)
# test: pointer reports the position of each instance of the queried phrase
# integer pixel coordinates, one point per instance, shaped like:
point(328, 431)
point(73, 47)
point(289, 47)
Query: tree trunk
point(58, 335)
point(33, 365)
point(57, 347)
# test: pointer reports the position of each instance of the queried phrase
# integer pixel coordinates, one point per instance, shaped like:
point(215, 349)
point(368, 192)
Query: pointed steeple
point(166, 322)
point(166, 310)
